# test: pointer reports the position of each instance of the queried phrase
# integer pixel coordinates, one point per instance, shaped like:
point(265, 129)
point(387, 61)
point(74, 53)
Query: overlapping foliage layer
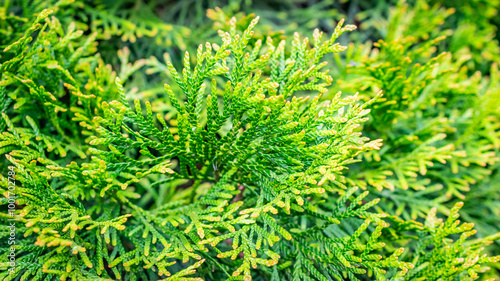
point(258, 155)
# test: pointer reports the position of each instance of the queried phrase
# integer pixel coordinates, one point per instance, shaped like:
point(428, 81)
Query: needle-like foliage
point(249, 164)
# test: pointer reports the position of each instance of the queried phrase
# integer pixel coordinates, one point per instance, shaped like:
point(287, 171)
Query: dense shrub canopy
point(260, 140)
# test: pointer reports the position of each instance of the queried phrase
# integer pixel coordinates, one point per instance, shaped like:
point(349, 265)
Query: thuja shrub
point(239, 173)
point(439, 124)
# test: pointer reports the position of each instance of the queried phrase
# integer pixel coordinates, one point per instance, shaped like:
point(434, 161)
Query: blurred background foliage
point(436, 63)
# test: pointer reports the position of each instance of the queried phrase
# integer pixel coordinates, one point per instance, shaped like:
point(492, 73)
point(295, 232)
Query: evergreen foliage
point(259, 155)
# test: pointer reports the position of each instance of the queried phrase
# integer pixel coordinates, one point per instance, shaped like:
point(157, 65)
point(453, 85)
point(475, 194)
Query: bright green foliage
point(437, 257)
point(248, 164)
point(104, 18)
point(59, 73)
point(440, 125)
point(279, 148)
